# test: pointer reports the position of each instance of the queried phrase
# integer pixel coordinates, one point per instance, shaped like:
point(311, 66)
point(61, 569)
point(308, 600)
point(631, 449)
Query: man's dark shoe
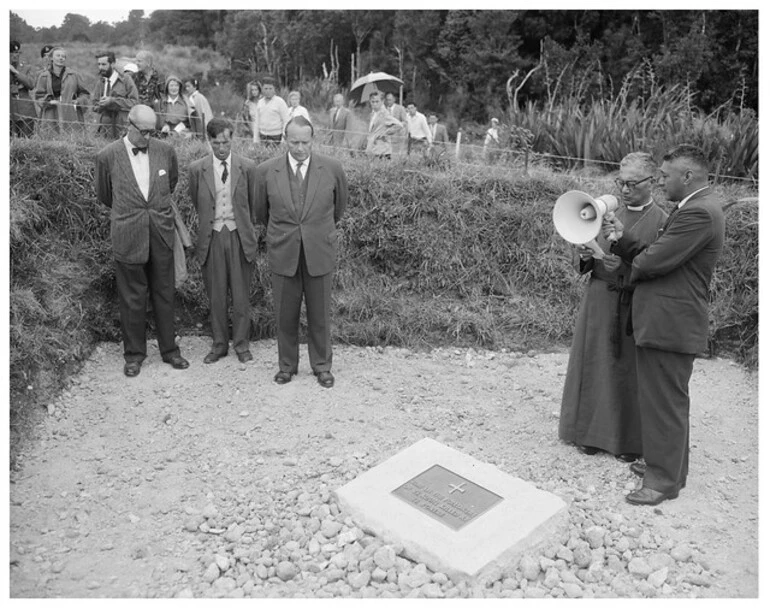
point(245, 356)
point(650, 497)
point(178, 362)
point(588, 450)
point(283, 377)
point(325, 379)
point(638, 468)
point(213, 357)
point(132, 368)
point(628, 457)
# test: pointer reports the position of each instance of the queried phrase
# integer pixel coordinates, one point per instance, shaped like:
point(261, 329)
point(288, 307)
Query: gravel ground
point(216, 482)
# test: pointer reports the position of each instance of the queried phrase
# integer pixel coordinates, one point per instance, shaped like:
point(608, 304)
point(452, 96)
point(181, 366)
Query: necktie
point(138, 150)
point(224, 171)
point(106, 87)
point(298, 174)
point(336, 115)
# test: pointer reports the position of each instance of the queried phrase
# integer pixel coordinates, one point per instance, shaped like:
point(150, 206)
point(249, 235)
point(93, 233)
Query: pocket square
point(162, 172)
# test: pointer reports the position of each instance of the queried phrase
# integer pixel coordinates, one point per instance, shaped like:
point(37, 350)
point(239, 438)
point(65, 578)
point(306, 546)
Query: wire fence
point(351, 141)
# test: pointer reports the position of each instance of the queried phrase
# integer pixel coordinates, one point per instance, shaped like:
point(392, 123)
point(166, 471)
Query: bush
point(466, 257)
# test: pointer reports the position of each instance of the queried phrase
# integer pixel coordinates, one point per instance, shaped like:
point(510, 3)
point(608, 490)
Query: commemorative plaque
point(447, 496)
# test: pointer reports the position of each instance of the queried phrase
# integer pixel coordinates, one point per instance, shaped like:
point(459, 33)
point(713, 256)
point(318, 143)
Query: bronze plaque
point(447, 497)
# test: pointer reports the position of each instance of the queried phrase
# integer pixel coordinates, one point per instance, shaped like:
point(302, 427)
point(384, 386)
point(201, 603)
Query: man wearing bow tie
point(301, 197)
point(135, 177)
point(223, 188)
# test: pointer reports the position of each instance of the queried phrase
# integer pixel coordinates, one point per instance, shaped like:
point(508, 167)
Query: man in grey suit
point(669, 312)
point(135, 177)
point(301, 198)
point(338, 119)
point(223, 188)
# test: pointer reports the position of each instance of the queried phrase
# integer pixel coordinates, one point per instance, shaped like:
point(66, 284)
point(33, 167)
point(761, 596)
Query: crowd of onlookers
point(52, 97)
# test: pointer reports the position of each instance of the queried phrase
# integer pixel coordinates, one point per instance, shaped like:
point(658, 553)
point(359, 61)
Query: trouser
point(287, 299)
point(664, 403)
point(134, 281)
point(227, 266)
point(417, 145)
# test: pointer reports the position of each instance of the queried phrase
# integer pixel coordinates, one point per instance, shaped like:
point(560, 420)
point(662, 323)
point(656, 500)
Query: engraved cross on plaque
point(457, 488)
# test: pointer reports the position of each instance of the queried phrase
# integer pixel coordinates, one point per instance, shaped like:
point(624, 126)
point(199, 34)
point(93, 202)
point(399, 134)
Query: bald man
point(135, 177)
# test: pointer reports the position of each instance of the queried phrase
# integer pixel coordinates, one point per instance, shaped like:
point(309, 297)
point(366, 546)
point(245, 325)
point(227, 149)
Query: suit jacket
point(338, 135)
point(243, 192)
point(380, 132)
point(397, 111)
point(315, 230)
point(441, 136)
point(124, 95)
point(131, 214)
point(672, 276)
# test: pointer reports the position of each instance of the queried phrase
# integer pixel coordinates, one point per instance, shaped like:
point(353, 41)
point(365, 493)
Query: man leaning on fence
point(113, 96)
point(135, 177)
point(22, 107)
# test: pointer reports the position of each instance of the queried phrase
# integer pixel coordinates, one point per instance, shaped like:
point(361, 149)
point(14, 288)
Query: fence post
point(457, 144)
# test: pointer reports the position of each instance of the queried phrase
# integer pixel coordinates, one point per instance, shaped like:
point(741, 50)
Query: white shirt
point(140, 164)
point(223, 206)
point(298, 111)
point(418, 128)
point(689, 196)
point(113, 78)
point(293, 162)
point(220, 169)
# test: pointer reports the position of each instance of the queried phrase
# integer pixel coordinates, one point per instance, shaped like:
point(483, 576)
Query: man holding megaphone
point(670, 316)
point(600, 406)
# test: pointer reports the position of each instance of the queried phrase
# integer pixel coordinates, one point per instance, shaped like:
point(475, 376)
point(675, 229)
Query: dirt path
point(135, 486)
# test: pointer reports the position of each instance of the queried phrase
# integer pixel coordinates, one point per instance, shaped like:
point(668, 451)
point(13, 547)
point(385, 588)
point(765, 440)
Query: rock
point(582, 555)
point(224, 584)
point(335, 461)
point(595, 536)
point(261, 571)
point(439, 578)
point(349, 536)
point(657, 578)
point(639, 567)
point(222, 562)
point(660, 560)
point(552, 578)
point(186, 593)
point(572, 589)
point(534, 593)
point(286, 571)
point(234, 533)
point(418, 576)
point(431, 590)
point(334, 574)
point(385, 557)
point(681, 552)
point(622, 545)
point(697, 579)
point(209, 511)
point(339, 560)
point(379, 575)
point(212, 573)
point(530, 567)
point(330, 528)
point(359, 579)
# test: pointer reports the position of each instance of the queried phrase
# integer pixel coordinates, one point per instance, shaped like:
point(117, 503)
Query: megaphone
point(578, 216)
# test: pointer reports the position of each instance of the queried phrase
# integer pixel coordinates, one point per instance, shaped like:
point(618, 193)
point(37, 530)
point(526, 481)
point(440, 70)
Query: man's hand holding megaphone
point(612, 227)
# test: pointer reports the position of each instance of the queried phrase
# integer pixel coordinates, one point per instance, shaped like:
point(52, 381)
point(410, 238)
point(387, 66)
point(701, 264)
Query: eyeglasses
point(631, 185)
point(142, 132)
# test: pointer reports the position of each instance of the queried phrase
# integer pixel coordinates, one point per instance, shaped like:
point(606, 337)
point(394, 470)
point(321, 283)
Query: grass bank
point(429, 256)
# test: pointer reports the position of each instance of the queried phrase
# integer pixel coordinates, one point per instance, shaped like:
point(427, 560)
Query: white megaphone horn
point(578, 216)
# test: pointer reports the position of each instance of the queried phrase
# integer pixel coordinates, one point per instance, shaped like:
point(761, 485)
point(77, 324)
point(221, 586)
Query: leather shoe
point(650, 497)
point(245, 356)
point(638, 468)
point(325, 379)
point(132, 368)
point(178, 362)
point(628, 457)
point(213, 357)
point(588, 450)
point(283, 377)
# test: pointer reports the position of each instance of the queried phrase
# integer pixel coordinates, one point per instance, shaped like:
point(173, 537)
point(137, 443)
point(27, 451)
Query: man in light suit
point(338, 119)
point(382, 128)
point(135, 177)
point(223, 188)
point(670, 316)
point(301, 197)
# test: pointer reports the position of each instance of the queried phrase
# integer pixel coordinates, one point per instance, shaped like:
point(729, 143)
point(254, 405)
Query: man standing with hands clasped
point(301, 198)
point(223, 188)
point(670, 316)
point(113, 96)
point(135, 177)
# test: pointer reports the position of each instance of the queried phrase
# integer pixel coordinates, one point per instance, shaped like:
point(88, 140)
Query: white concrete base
point(482, 549)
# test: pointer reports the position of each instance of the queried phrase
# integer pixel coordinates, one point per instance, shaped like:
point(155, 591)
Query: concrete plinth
point(453, 513)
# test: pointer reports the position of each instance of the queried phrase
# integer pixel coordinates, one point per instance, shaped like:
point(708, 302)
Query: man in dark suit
point(223, 188)
point(338, 119)
point(113, 96)
point(440, 135)
point(301, 198)
point(670, 316)
point(135, 177)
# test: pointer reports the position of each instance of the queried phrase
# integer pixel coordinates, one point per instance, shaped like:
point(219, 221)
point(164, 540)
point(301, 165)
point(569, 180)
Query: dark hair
point(45, 50)
point(410, 103)
point(218, 125)
point(192, 81)
point(108, 54)
point(300, 121)
point(375, 93)
point(691, 153)
point(269, 80)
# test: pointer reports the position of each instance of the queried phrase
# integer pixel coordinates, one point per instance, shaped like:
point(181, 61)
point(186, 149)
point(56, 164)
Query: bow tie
point(138, 150)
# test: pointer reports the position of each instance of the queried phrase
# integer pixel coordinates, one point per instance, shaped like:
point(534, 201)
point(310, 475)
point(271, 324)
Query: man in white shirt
point(114, 95)
point(420, 137)
point(272, 115)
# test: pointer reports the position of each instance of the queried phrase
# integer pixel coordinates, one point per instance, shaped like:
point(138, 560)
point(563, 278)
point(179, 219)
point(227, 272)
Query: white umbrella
point(374, 81)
